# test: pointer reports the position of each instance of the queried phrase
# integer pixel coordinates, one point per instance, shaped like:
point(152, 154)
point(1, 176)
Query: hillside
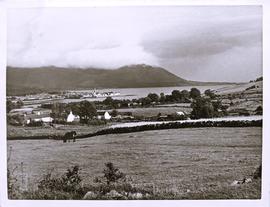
point(32, 80)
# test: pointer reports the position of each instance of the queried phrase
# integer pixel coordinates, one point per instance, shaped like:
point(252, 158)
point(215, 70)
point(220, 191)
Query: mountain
point(33, 80)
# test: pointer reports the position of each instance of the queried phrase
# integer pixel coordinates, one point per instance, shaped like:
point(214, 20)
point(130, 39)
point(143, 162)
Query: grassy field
point(196, 163)
point(22, 131)
point(154, 111)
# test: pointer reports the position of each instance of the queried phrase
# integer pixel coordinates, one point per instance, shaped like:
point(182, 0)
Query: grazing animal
point(69, 135)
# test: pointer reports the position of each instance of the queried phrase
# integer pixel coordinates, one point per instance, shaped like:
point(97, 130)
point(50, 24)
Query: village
point(25, 113)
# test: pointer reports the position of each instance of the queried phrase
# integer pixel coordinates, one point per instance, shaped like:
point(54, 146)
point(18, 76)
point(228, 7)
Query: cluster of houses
point(89, 94)
point(30, 115)
point(37, 115)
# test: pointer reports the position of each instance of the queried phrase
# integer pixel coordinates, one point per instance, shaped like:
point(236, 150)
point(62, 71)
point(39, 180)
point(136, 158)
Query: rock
point(136, 195)
point(147, 195)
point(90, 195)
point(239, 182)
point(115, 195)
point(235, 183)
point(248, 180)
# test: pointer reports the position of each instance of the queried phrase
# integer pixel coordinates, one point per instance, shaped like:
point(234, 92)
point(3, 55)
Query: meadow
point(198, 163)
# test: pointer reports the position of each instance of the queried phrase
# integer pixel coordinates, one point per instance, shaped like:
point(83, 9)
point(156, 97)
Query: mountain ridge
point(51, 78)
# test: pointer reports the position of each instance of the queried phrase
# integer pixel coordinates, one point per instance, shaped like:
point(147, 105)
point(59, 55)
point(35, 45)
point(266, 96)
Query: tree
point(58, 111)
point(112, 174)
point(168, 98)
point(154, 97)
point(185, 94)
point(176, 95)
point(194, 93)
point(87, 110)
point(108, 101)
point(210, 93)
point(19, 104)
point(114, 113)
point(74, 107)
point(162, 98)
point(13, 105)
point(145, 101)
point(202, 108)
point(9, 106)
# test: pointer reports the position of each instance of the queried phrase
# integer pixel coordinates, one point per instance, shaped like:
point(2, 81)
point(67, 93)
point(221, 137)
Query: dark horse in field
point(70, 135)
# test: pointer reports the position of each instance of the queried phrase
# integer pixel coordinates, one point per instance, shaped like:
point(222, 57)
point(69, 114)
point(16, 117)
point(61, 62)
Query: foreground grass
point(115, 185)
point(172, 164)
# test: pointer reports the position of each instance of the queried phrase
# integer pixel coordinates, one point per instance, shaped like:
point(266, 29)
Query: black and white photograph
point(156, 102)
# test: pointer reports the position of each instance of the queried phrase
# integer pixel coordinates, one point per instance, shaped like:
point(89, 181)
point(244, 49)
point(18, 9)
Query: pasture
point(189, 163)
point(154, 111)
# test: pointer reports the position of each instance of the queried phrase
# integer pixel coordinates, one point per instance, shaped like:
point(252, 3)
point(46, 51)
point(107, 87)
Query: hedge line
point(171, 125)
point(177, 125)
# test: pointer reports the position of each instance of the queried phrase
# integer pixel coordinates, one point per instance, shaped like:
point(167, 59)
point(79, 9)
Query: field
point(191, 163)
point(154, 111)
point(22, 131)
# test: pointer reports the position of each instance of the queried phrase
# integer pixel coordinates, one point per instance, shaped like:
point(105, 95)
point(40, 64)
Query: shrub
point(15, 120)
point(111, 174)
point(115, 181)
point(69, 182)
point(12, 185)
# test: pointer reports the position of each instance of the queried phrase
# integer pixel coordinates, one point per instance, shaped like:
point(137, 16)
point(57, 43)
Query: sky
point(203, 43)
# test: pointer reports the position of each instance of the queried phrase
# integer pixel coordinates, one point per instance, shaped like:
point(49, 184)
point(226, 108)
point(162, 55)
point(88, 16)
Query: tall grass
point(114, 184)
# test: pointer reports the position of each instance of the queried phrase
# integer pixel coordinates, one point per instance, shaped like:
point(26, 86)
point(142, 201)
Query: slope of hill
point(31, 80)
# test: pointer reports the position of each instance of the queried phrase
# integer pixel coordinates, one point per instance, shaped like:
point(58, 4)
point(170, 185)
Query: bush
point(116, 182)
point(111, 174)
point(68, 182)
point(15, 120)
point(12, 185)
point(68, 185)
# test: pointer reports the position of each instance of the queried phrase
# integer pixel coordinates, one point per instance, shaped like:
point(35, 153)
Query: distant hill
point(46, 79)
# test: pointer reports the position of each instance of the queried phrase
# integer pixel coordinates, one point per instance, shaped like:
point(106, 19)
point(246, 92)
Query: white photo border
point(264, 201)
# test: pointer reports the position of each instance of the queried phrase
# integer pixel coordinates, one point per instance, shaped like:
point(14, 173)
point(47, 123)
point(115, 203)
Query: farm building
point(37, 118)
point(107, 116)
point(72, 118)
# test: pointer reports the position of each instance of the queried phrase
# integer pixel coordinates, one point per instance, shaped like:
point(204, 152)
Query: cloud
point(188, 41)
point(211, 50)
point(204, 39)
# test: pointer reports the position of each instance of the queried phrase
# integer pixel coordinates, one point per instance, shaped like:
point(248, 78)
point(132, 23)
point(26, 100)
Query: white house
point(107, 116)
point(71, 117)
point(47, 119)
point(37, 118)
